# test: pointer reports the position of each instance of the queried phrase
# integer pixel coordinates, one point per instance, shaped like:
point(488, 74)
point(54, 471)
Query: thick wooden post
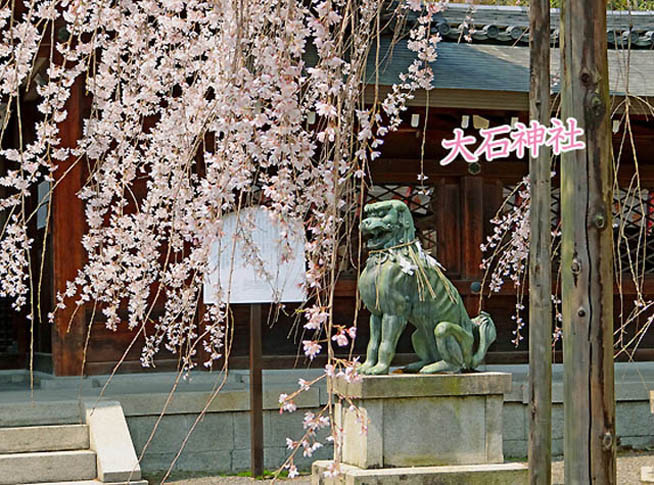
point(256, 393)
point(472, 215)
point(540, 269)
point(587, 269)
point(68, 227)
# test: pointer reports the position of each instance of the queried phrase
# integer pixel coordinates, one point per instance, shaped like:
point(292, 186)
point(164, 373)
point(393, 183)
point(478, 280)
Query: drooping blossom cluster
point(508, 249)
point(196, 110)
point(507, 255)
point(192, 105)
point(309, 443)
point(512, 251)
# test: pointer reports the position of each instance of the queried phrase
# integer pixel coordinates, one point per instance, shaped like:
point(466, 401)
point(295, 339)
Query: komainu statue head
point(387, 224)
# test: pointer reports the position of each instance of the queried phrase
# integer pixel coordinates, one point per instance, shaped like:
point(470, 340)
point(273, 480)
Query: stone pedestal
point(442, 425)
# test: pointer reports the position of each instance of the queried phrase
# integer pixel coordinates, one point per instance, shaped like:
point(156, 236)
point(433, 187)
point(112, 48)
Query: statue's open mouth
point(377, 237)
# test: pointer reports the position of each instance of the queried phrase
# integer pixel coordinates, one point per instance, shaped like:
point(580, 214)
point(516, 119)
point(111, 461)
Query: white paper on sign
point(247, 285)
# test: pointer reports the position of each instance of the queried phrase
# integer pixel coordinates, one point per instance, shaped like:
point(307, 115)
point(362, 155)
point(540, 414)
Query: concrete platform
point(488, 474)
point(647, 475)
point(221, 441)
point(19, 409)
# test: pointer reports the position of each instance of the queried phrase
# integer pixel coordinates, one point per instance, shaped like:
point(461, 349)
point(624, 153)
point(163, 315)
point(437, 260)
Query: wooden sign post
point(256, 393)
point(232, 273)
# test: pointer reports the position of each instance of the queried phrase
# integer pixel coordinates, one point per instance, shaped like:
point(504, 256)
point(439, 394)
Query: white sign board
point(285, 282)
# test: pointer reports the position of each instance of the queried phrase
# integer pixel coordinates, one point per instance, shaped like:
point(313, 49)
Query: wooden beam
point(346, 288)
point(540, 268)
point(478, 99)
point(403, 170)
point(460, 98)
point(587, 257)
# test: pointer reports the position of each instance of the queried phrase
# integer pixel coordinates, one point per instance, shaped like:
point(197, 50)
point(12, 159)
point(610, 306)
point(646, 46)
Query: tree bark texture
point(587, 269)
point(540, 269)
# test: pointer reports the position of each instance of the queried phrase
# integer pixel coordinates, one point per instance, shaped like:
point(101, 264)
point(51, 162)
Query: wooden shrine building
point(480, 83)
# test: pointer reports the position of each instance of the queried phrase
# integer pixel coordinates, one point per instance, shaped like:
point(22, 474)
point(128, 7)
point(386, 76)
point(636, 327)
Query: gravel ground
point(629, 465)
point(234, 480)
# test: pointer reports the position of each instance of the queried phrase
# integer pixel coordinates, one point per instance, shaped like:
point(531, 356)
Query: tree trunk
point(587, 270)
point(540, 269)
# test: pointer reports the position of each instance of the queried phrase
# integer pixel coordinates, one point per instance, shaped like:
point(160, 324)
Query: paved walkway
point(629, 465)
point(303, 480)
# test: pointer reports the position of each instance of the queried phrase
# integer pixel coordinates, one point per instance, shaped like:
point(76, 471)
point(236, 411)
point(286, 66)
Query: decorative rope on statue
point(418, 258)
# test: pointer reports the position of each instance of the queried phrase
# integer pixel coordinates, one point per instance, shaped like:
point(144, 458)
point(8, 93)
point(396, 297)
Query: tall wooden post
point(587, 269)
point(540, 269)
point(68, 256)
point(256, 393)
point(472, 210)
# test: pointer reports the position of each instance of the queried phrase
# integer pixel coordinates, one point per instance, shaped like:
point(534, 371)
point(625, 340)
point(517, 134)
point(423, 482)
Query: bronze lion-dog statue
point(401, 283)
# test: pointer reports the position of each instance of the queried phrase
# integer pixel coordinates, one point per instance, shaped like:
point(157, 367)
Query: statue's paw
point(377, 370)
point(364, 368)
point(414, 367)
point(440, 366)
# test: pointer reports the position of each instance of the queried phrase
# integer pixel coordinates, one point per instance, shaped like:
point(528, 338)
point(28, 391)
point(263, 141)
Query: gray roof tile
point(506, 68)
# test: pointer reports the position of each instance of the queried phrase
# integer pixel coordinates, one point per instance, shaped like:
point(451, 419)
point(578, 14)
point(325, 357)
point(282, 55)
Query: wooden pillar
point(587, 269)
point(68, 226)
point(540, 269)
point(472, 217)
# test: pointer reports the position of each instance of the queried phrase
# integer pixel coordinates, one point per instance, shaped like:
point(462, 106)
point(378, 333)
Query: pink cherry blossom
point(311, 348)
point(198, 110)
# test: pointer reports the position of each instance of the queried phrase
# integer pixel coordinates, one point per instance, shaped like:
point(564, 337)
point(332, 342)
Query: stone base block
point(647, 475)
point(488, 474)
point(423, 420)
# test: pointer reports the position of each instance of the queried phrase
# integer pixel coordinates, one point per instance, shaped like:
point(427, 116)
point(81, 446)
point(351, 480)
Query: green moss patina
point(400, 284)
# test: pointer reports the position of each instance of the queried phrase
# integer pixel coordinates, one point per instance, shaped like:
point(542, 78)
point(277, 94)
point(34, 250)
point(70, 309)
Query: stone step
point(47, 467)
point(93, 482)
point(16, 414)
point(44, 438)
